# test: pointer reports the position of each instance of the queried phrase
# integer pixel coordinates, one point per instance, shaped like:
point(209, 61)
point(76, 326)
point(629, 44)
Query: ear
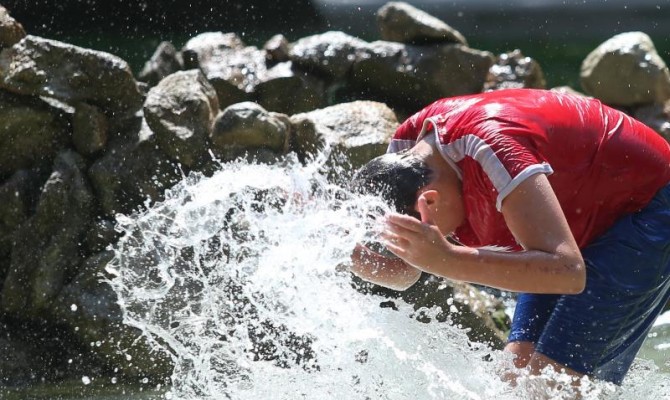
point(426, 205)
point(432, 197)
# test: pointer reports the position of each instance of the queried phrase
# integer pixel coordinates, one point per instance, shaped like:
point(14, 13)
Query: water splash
point(240, 278)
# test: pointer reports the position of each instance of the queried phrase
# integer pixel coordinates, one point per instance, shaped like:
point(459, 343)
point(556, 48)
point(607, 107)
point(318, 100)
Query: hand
point(419, 243)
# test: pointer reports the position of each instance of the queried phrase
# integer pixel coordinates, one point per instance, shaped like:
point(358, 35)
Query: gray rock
point(42, 67)
point(11, 31)
point(331, 54)
point(461, 304)
point(626, 70)
point(413, 76)
point(180, 110)
point(513, 71)
point(131, 172)
point(166, 60)
point(286, 90)
point(655, 116)
point(90, 129)
point(277, 49)
point(203, 47)
point(248, 128)
point(88, 307)
point(359, 131)
point(404, 23)
point(17, 196)
point(46, 251)
point(227, 64)
point(31, 134)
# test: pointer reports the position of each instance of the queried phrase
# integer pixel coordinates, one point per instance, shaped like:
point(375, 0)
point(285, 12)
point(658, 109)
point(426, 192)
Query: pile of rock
point(82, 139)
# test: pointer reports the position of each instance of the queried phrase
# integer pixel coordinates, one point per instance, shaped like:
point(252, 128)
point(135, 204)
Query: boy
point(576, 190)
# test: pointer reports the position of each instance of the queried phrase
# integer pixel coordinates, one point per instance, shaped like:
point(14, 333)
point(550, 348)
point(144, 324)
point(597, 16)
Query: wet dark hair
point(396, 177)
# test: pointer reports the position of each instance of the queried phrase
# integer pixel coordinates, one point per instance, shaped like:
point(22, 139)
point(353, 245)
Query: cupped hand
point(419, 243)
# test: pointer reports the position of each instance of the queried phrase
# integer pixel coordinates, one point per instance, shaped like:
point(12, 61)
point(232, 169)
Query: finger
point(422, 204)
point(404, 221)
point(392, 237)
point(395, 249)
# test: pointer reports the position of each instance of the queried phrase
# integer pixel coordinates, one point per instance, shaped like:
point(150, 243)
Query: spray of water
point(241, 279)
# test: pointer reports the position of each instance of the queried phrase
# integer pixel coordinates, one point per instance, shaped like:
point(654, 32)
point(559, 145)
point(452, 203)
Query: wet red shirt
point(601, 163)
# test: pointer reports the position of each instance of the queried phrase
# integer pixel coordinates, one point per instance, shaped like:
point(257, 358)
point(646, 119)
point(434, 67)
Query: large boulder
point(513, 71)
point(359, 131)
point(46, 249)
point(131, 171)
point(42, 67)
point(330, 54)
point(286, 90)
point(227, 63)
point(31, 133)
point(406, 76)
point(88, 307)
point(17, 196)
point(402, 22)
point(626, 70)
point(461, 304)
point(165, 61)
point(90, 129)
point(248, 129)
point(11, 31)
point(409, 76)
point(180, 111)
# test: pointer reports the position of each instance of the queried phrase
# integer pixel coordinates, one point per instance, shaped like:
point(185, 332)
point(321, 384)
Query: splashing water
point(241, 278)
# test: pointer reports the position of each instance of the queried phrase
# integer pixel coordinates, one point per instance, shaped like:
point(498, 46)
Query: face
point(445, 200)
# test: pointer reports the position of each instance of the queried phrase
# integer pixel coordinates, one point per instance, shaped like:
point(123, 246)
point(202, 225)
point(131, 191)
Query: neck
point(428, 151)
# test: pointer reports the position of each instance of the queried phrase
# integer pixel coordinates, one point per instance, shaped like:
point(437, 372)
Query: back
point(601, 163)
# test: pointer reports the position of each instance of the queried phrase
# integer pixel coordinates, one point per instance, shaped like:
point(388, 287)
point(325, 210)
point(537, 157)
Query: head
point(397, 178)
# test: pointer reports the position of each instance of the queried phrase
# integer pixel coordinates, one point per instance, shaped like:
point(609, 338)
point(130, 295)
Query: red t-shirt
point(601, 163)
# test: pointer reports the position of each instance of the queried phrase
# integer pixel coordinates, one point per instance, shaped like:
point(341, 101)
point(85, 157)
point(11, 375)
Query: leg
point(523, 351)
point(599, 332)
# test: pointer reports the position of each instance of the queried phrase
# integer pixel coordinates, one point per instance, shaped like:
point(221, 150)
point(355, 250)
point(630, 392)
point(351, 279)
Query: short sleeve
point(504, 159)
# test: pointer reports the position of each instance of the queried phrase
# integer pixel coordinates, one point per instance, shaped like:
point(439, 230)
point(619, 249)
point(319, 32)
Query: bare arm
point(550, 263)
point(392, 273)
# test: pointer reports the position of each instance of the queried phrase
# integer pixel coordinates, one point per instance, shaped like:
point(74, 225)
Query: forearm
point(530, 271)
point(392, 273)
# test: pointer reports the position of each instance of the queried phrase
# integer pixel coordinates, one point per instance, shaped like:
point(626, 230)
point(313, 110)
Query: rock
point(42, 67)
point(17, 196)
point(248, 127)
point(276, 49)
point(88, 307)
point(31, 134)
point(89, 129)
point(166, 60)
point(567, 90)
point(403, 75)
point(513, 71)
point(331, 54)
point(46, 250)
point(359, 131)
point(402, 22)
point(626, 70)
point(11, 31)
point(464, 305)
point(409, 77)
point(655, 116)
point(206, 46)
point(286, 90)
point(228, 65)
point(180, 111)
point(131, 172)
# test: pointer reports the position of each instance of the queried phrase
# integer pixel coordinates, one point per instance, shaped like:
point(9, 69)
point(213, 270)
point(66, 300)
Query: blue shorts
point(599, 331)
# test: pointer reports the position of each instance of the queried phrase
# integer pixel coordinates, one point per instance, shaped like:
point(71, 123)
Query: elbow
point(577, 278)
